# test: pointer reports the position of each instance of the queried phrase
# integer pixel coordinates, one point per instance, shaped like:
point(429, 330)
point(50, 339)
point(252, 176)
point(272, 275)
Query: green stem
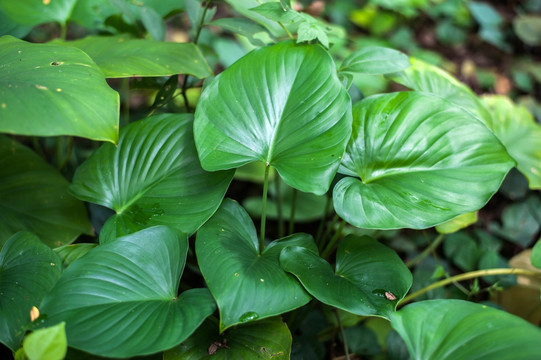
point(184, 87)
point(430, 248)
point(279, 206)
point(292, 214)
point(323, 218)
point(286, 30)
point(467, 276)
point(125, 91)
point(67, 157)
point(264, 209)
point(344, 340)
point(328, 231)
point(63, 31)
point(330, 246)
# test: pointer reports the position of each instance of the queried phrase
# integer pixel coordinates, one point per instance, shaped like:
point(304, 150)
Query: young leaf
point(282, 105)
point(34, 197)
point(243, 27)
point(121, 56)
point(121, 299)
point(62, 85)
point(247, 283)
point(46, 344)
point(373, 60)
point(369, 279)
point(428, 78)
point(418, 161)
point(265, 339)
point(458, 223)
point(28, 271)
point(153, 177)
point(516, 128)
point(456, 329)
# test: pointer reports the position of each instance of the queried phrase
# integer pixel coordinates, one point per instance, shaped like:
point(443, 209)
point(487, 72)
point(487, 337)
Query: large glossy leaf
point(369, 279)
point(121, 56)
point(247, 285)
point(121, 299)
point(28, 271)
point(516, 128)
point(34, 197)
point(48, 90)
point(431, 79)
point(456, 329)
point(153, 177)
point(282, 105)
point(264, 339)
point(374, 60)
point(35, 12)
point(418, 161)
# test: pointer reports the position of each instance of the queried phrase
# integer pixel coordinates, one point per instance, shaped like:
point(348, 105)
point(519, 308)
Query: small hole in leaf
point(56, 63)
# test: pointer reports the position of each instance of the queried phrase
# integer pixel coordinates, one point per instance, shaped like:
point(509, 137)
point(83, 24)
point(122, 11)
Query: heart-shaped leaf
point(153, 177)
point(34, 197)
point(28, 271)
point(516, 128)
point(121, 56)
point(421, 161)
point(244, 281)
point(289, 111)
point(46, 344)
point(456, 329)
point(121, 299)
point(431, 79)
point(369, 279)
point(264, 339)
point(48, 90)
point(373, 60)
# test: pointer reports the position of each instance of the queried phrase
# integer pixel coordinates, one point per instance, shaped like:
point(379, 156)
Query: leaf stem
point(63, 31)
point(286, 30)
point(279, 206)
point(125, 90)
point(323, 218)
point(433, 245)
point(330, 246)
point(264, 209)
point(292, 214)
point(342, 332)
point(470, 275)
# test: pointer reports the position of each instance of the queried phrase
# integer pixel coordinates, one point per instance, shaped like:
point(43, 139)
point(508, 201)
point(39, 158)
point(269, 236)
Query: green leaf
point(153, 23)
point(518, 224)
point(516, 128)
point(431, 79)
point(535, 258)
point(11, 27)
point(153, 177)
point(242, 27)
point(493, 260)
point(421, 161)
point(121, 56)
point(276, 11)
point(121, 299)
point(69, 253)
point(312, 30)
point(370, 279)
point(35, 12)
point(282, 105)
point(245, 282)
point(264, 339)
point(28, 271)
point(34, 196)
point(456, 329)
point(462, 250)
point(244, 7)
point(47, 344)
point(458, 223)
point(49, 90)
point(374, 60)
point(528, 29)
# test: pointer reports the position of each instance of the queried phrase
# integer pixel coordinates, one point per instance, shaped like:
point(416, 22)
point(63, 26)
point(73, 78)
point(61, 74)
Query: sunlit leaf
point(373, 60)
point(290, 112)
point(417, 161)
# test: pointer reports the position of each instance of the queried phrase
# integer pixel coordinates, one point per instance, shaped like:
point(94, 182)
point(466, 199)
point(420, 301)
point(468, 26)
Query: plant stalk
point(264, 209)
point(470, 275)
point(330, 246)
point(431, 247)
point(279, 206)
point(292, 214)
point(323, 218)
point(344, 340)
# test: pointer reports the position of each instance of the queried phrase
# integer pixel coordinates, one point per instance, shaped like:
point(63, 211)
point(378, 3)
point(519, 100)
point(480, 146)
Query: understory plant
point(177, 259)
